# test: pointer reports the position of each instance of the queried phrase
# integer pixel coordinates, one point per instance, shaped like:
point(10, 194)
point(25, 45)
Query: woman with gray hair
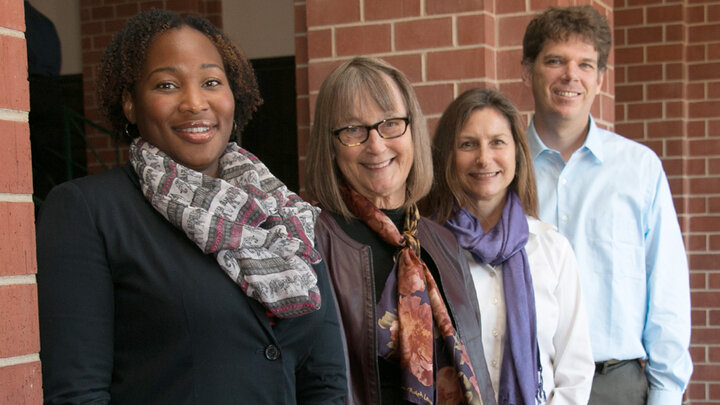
point(405, 297)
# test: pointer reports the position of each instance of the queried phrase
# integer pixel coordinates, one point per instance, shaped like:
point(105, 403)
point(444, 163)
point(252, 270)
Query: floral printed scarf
point(414, 326)
point(260, 232)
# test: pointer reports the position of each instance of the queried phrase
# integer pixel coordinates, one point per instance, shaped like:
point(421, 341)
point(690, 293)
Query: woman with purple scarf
point(535, 332)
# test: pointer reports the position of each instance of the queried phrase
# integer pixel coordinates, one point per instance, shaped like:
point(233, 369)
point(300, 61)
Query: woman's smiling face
point(378, 168)
point(485, 160)
point(183, 103)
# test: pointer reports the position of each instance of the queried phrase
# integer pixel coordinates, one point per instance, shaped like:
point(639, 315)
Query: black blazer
point(132, 312)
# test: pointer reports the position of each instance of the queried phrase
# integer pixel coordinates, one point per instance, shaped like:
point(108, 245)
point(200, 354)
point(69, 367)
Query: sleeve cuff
point(665, 397)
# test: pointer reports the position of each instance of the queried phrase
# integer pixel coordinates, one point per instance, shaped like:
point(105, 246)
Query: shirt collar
point(592, 142)
point(536, 144)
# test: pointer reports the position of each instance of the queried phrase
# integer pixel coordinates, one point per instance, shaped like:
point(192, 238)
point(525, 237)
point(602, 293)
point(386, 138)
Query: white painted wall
point(65, 14)
point(262, 28)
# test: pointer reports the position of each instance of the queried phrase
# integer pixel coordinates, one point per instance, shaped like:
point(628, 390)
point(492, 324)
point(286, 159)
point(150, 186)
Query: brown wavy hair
point(123, 59)
point(446, 192)
point(559, 23)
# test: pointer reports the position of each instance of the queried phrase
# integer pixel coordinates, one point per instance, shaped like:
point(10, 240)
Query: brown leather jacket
point(349, 264)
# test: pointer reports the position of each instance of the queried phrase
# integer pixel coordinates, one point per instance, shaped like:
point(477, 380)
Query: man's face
point(565, 79)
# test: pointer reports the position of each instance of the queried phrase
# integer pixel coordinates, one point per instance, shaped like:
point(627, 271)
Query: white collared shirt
point(563, 336)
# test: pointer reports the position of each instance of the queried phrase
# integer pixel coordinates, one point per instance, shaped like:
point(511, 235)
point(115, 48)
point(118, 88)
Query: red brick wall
point(443, 46)
point(668, 97)
point(20, 377)
point(100, 19)
point(662, 88)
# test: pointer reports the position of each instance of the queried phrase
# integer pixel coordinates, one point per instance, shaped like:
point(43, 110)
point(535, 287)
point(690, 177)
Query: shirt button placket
point(562, 216)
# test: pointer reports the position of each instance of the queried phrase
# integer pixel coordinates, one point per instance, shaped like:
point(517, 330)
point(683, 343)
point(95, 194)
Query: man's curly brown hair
point(123, 60)
point(559, 23)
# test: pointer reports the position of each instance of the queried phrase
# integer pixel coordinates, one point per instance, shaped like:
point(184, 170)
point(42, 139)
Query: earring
point(127, 131)
point(235, 126)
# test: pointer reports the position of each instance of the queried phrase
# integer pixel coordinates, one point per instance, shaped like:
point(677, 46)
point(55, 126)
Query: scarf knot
point(260, 232)
point(414, 327)
point(409, 235)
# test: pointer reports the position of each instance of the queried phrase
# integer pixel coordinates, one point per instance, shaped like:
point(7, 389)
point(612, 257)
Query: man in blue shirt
point(610, 197)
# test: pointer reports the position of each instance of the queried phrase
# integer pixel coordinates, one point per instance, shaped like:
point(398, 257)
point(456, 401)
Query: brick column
point(668, 97)
point(100, 20)
point(444, 47)
point(20, 376)
point(665, 67)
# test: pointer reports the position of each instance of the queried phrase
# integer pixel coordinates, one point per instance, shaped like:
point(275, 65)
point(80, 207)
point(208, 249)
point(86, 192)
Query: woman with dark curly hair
point(189, 275)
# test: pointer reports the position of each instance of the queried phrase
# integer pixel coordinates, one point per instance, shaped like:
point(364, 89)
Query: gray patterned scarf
point(260, 232)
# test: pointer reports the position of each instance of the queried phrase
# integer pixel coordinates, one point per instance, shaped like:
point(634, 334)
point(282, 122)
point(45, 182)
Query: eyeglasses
point(354, 135)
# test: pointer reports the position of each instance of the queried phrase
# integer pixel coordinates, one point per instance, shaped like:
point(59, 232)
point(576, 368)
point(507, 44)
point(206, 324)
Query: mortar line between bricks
point(17, 280)
point(11, 33)
point(13, 361)
point(19, 198)
point(14, 115)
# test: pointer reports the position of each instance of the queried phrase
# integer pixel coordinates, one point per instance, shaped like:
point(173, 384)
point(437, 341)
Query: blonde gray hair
point(338, 94)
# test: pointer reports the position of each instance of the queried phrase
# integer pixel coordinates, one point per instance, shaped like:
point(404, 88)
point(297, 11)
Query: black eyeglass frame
point(376, 127)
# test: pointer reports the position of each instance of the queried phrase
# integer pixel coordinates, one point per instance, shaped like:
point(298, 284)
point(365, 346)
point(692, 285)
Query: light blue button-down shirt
point(612, 201)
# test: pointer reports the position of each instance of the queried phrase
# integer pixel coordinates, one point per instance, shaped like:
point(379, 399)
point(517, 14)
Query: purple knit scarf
point(520, 379)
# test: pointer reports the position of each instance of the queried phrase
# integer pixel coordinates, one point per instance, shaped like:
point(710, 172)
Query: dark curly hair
point(123, 59)
point(558, 23)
